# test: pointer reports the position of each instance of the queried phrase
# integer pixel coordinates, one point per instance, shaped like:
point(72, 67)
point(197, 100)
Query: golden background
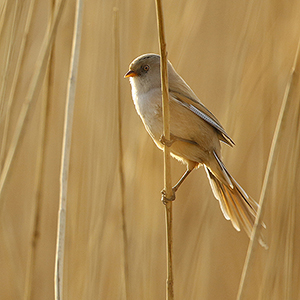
point(237, 56)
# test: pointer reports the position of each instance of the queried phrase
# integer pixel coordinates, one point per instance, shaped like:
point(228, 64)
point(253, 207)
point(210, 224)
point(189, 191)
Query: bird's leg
point(181, 180)
point(190, 168)
point(164, 199)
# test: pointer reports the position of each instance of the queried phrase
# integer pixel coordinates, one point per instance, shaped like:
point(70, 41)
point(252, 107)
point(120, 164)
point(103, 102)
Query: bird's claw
point(166, 142)
point(164, 198)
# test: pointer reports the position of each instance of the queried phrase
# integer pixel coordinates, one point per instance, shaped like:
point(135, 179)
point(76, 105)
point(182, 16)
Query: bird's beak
point(130, 73)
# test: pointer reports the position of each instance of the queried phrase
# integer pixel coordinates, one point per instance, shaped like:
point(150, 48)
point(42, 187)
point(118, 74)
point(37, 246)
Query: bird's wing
point(201, 111)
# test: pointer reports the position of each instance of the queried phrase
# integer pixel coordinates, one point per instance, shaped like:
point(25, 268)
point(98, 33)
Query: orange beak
point(130, 73)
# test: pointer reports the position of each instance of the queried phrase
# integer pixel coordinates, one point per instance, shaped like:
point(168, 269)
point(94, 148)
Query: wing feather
point(201, 111)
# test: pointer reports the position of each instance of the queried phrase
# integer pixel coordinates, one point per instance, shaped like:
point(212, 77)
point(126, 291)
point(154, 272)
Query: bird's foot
point(166, 142)
point(165, 199)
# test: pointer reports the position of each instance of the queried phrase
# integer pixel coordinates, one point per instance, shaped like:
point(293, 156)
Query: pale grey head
point(144, 72)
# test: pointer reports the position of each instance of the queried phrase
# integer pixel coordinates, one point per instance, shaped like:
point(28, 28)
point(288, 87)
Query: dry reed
point(269, 173)
point(31, 96)
point(8, 103)
point(167, 156)
point(66, 149)
point(121, 154)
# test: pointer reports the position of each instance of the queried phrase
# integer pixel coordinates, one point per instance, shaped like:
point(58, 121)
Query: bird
point(195, 136)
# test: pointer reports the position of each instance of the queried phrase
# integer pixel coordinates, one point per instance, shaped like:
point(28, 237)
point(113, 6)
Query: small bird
point(195, 135)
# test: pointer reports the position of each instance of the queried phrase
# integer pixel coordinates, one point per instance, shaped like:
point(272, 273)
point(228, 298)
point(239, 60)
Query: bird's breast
point(148, 106)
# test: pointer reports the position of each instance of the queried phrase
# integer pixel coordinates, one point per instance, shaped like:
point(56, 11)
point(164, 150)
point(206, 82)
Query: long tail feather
point(235, 203)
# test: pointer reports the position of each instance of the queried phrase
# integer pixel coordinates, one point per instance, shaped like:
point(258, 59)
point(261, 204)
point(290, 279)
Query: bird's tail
point(235, 204)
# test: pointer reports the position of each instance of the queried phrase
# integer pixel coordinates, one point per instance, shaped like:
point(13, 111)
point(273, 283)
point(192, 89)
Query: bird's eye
point(146, 68)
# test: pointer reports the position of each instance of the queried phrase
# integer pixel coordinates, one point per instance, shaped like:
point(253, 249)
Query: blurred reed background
point(237, 56)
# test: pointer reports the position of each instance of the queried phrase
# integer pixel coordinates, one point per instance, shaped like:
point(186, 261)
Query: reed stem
point(167, 157)
point(294, 78)
point(121, 162)
point(69, 111)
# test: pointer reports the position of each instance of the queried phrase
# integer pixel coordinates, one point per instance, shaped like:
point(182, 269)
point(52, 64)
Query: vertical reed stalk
point(65, 159)
point(167, 158)
point(34, 89)
point(38, 185)
point(3, 10)
point(8, 57)
point(294, 78)
point(121, 164)
point(6, 113)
